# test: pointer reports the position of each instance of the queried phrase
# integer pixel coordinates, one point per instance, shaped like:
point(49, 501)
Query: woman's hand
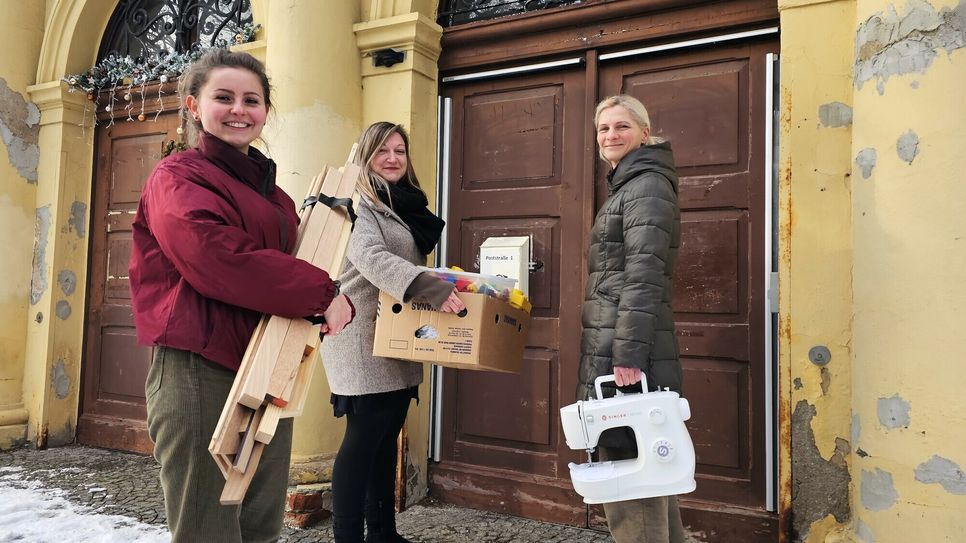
point(337, 316)
point(453, 304)
point(626, 376)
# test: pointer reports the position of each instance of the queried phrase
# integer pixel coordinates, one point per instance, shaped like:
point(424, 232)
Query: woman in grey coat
point(628, 325)
point(392, 235)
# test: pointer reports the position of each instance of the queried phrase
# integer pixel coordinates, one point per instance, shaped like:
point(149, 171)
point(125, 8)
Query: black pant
point(365, 469)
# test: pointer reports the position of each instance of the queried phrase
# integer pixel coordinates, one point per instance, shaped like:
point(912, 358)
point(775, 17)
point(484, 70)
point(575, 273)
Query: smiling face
point(390, 160)
point(618, 134)
point(231, 106)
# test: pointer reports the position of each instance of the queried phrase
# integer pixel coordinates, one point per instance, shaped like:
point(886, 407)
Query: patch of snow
point(31, 512)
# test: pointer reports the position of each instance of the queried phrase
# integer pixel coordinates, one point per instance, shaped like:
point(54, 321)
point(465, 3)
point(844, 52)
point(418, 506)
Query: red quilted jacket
point(210, 253)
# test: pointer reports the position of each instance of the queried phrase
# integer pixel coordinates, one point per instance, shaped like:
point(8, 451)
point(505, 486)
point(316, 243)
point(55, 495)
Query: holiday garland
point(116, 71)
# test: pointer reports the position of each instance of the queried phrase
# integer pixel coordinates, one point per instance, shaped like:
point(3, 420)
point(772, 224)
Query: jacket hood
point(656, 158)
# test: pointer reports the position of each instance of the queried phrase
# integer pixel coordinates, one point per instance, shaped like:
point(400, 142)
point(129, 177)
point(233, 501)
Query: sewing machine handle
point(610, 378)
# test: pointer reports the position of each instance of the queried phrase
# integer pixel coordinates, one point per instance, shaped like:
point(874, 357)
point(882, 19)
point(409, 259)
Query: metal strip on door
point(772, 110)
point(444, 117)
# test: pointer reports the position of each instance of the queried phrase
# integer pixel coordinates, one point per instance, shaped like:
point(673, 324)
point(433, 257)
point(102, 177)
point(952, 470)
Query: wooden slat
point(300, 387)
point(224, 440)
point(237, 483)
point(323, 256)
point(282, 352)
point(244, 454)
point(266, 356)
point(268, 424)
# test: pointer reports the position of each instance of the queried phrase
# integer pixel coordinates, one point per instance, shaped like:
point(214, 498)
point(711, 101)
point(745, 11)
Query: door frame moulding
point(601, 26)
point(690, 43)
point(481, 50)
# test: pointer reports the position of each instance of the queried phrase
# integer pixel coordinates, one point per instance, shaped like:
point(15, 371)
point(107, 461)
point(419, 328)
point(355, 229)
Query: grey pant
point(185, 396)
point(648, 520)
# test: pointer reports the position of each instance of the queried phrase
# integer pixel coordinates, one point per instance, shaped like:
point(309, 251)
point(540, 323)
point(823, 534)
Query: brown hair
point(195, 77)
point(370, 141)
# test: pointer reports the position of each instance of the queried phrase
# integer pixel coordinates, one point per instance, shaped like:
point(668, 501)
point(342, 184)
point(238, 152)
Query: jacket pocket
point(155, 373)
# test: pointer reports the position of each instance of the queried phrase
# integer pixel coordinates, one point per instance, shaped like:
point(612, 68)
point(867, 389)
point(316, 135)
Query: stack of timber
point(277, 368)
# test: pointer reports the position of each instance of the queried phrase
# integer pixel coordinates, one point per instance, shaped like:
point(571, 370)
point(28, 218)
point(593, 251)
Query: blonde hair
point(636, 110)
point(371, 140)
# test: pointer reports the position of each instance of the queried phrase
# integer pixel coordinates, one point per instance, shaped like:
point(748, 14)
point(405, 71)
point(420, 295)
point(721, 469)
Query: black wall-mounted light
point(387, 57)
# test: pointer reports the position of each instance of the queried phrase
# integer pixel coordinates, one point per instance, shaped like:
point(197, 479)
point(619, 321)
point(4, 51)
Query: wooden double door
point(524, 163)
point(112, 410)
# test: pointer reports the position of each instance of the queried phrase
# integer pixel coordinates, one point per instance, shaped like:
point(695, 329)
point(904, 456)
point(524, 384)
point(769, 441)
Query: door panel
point(516, 170)
point(710, 104)
point(115, 366)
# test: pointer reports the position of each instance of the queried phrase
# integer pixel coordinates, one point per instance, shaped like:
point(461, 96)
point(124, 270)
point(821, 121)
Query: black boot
point(347, 529)
point(381, 523)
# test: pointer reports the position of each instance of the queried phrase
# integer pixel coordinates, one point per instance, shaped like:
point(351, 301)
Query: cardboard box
point(491, 336)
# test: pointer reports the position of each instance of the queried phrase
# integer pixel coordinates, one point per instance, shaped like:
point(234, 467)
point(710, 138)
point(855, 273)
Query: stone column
point(406, 93)
point(313, 63)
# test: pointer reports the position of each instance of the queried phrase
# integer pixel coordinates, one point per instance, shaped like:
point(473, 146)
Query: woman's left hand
point(626, 376)
point(453, 304)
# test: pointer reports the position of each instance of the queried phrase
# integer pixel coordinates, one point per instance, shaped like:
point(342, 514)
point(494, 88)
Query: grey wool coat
point(626, 314)
point(381, 256)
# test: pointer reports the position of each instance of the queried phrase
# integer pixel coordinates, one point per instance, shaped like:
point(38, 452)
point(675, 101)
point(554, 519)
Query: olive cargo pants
point(185, 396)
point(648, 520)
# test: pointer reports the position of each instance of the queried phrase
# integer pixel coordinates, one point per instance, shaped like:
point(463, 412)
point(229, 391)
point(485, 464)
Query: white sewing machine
point(665, 460)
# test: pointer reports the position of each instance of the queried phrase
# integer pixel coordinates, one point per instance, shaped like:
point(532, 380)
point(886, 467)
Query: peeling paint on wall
point(907, 146)
point(878, 490)
point(943, 471)
point(865, 160)
point(864, 533)
point(835, 114)
point(20, 131)
point(797, 382)
point(826, 380)
point(893, 412)
point(59, 381)
point(38, 279)
point(78, 219)
point(888, 45)
point(63, 436)
point(67, 281)
point(820, 487)
point(63, 309)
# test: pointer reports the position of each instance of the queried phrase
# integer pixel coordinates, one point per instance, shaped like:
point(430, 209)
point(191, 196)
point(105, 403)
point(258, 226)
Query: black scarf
point(411, 205)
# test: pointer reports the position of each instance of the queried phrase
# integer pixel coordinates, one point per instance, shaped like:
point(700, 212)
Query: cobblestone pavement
point(118, 483)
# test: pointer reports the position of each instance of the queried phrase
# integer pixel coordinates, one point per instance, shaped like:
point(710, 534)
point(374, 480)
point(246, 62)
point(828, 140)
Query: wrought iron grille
point(455, 12)
point(141, 28)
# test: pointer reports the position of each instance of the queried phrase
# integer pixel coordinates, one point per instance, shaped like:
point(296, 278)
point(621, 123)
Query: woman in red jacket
point(209, 256)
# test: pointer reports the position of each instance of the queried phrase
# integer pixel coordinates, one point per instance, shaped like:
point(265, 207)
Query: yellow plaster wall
point(909, 294)
point(311, 56)
point(54, 342)
point(815, 258)
point(23, 34)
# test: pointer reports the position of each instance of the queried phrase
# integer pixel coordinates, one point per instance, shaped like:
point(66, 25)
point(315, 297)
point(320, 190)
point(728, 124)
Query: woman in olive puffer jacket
point(628, 325)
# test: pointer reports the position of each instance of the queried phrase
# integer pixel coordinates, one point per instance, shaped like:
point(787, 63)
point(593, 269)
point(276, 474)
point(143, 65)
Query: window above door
point(143, 28)
point(456, 12)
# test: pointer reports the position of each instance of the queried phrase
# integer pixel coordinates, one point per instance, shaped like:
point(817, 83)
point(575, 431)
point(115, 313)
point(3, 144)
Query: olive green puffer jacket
point(626, 314)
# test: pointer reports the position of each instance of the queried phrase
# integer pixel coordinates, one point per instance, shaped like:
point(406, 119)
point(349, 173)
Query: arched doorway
point(136, 125)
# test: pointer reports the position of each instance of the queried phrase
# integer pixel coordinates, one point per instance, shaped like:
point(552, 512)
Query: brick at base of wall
point(306, 505)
